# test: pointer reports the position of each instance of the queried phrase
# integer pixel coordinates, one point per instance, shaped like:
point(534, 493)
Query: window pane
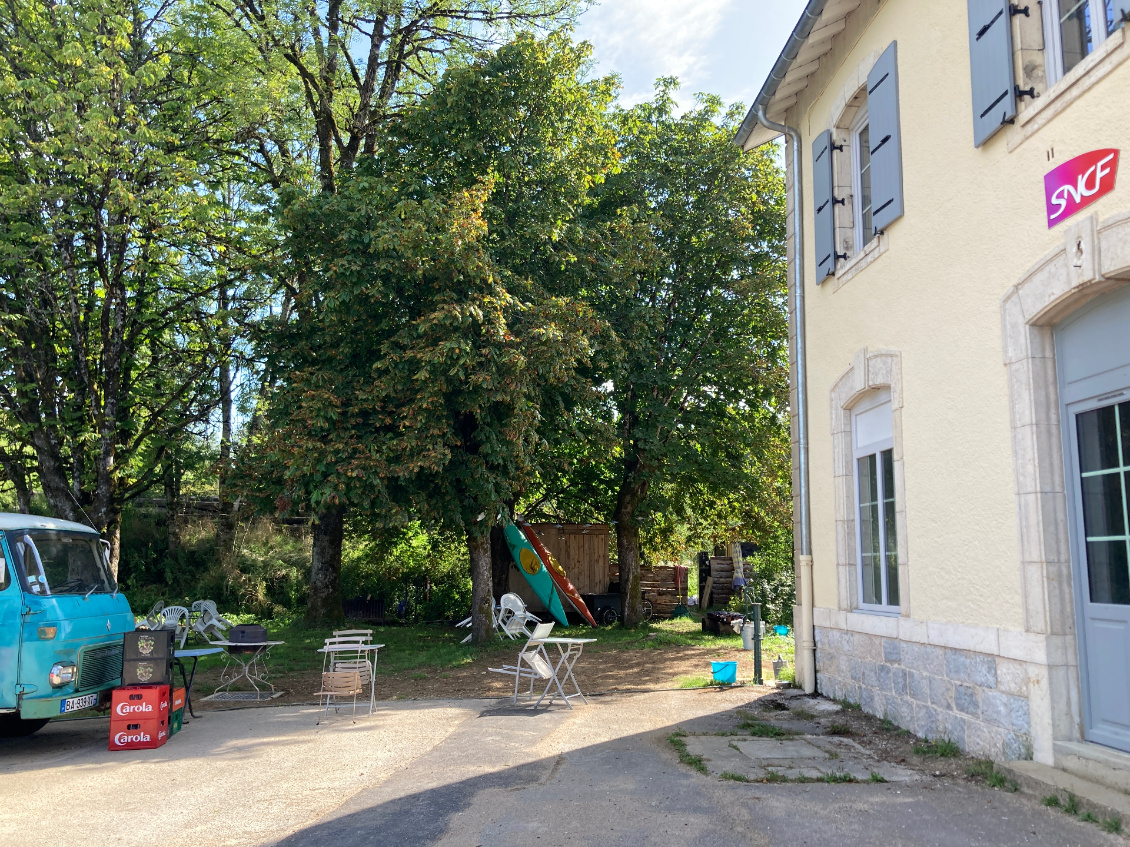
point(1107, 572)
point(1075, 26)
point(1113, 20)
point(1102, 505)
point(865, 183)
point(1098, 439)
point(890, 530)
point(870, 555)
point(1124, 422)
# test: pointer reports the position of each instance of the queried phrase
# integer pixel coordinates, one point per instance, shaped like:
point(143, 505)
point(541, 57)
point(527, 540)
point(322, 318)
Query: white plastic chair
point(533, 662)
point(153, 618)
point(514, 619)
point(495, 611)
point(206, 620)
point(176, 619)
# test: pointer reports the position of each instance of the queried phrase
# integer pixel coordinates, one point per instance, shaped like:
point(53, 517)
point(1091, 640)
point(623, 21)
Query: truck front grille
point(99, 665)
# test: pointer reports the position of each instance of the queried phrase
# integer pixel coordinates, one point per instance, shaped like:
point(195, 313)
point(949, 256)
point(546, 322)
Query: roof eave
point(751, 133)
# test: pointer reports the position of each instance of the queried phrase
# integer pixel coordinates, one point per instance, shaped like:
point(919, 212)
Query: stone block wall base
point(977, 700)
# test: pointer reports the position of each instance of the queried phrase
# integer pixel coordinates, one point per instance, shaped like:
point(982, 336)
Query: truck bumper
point(44, 707)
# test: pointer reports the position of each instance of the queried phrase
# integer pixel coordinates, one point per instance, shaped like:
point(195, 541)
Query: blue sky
point(723, 47)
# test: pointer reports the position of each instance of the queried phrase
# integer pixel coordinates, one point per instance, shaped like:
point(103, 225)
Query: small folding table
point(570, 650)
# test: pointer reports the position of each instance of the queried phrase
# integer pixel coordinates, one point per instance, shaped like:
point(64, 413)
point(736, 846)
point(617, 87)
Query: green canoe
point(533, 569)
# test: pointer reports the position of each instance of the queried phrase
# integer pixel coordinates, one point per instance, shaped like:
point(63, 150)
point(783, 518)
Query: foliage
point(415, 387)
point(691, 400)
point(268, 578)
point(111, 122)
point(427, 572)
point(942, 748)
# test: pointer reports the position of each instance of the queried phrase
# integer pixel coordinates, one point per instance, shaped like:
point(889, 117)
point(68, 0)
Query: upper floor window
point(861, 180)
point(1074, 28)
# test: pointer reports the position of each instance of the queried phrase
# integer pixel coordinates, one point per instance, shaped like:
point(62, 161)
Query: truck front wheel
point(13, 726)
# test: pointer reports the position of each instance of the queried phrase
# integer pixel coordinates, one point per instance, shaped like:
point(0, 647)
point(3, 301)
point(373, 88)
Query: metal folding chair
point(533, 662)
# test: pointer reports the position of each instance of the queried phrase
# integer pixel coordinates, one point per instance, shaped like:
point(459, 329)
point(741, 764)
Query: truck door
point(11, 604)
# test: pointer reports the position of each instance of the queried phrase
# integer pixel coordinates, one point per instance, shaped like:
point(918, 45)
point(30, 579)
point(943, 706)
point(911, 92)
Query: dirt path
point(600, 670)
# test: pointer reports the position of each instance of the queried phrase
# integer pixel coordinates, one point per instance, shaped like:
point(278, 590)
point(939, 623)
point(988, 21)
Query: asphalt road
point(472, 772)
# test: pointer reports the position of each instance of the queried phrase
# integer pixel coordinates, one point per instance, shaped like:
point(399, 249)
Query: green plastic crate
point(176, 722)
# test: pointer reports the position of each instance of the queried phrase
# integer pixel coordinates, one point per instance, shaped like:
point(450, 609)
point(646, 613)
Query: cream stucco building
point(965, 366)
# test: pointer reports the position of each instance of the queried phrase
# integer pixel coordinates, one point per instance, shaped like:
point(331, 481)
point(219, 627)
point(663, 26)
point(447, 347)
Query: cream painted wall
point(974, 223)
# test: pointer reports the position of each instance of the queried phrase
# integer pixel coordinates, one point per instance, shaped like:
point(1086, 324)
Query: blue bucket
point(781, 630)
point(725, 672)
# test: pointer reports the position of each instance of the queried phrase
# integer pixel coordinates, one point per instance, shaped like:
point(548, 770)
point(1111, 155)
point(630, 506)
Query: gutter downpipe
point(803, 635)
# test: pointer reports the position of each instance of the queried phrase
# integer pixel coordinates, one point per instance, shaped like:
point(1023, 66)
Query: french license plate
point(73, 704)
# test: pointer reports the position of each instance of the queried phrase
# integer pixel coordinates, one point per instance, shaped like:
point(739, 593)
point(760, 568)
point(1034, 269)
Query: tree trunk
point(225, 524)
point(324, 600)
point(628, 551)
point(171, 480)
point(16, 472)
point(500, 560)
point(478, 546)
point(113, 534)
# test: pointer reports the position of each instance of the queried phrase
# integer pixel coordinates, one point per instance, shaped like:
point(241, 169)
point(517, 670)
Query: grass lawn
point(428, 660)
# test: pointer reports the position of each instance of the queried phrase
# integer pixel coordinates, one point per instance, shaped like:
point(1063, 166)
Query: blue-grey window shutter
point(990, 67)
point(886, 145)
point(823, 205)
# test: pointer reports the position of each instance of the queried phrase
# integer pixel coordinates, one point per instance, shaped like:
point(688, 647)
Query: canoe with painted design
point(560, 579)
point(533, 569)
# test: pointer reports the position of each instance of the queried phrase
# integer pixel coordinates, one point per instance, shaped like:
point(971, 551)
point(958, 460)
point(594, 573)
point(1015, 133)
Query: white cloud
point(646, 39)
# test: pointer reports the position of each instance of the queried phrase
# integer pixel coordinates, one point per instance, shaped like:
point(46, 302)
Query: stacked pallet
point(722, 570)
point(658, 586)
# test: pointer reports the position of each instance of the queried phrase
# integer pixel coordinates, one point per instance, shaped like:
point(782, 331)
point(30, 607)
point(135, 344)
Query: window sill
point(852, 267)
point(1053, 102)
point(892, 612)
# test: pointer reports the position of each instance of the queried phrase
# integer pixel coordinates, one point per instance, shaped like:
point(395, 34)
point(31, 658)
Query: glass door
point(1101, 473)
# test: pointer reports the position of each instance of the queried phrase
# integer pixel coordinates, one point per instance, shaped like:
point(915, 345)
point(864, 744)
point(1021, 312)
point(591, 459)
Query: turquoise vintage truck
point(61, 621)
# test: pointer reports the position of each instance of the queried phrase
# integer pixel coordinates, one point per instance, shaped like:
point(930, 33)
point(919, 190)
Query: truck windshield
point(53, 562)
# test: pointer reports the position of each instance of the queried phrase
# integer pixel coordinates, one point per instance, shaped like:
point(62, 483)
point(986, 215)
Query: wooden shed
point(582, 549)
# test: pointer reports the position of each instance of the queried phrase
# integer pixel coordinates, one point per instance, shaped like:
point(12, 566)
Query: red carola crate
point(139, 702)
point(138, 734)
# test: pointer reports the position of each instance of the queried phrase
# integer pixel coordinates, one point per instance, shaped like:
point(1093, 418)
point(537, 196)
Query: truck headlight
point(63, 673)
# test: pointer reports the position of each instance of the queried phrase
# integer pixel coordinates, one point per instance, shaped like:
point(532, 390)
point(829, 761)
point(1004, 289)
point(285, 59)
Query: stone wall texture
point(976, 700)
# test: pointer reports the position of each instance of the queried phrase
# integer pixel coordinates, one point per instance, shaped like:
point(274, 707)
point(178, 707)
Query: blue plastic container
point(781, 630)
point(725, 672)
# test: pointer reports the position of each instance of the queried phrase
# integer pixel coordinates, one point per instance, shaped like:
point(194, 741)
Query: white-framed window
point(876, 524)
point(861, 179)
point(1073, 28)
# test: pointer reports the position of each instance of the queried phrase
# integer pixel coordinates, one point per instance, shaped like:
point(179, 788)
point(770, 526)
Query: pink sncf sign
point(1078, 183)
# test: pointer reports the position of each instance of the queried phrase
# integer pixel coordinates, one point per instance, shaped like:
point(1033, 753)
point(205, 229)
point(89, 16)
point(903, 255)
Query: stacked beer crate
point(146, 711)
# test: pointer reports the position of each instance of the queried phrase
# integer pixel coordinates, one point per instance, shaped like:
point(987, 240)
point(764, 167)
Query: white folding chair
point(357, 660)
point(514, 619)
point(339, 684)
point(533, 662)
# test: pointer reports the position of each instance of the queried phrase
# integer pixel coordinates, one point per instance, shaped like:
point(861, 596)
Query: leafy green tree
point(359, 64)
point(108, 120)
point(419, 387)
point(696, 298)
